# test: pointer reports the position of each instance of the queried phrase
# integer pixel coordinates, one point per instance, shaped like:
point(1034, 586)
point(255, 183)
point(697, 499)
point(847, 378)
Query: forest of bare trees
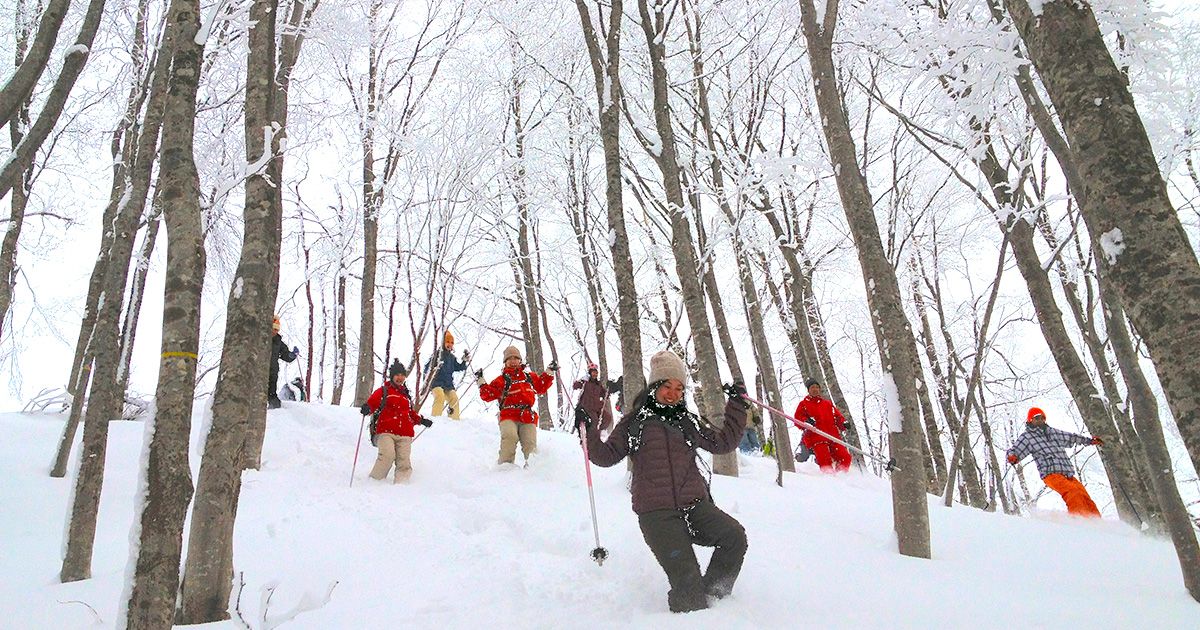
point(944, 211)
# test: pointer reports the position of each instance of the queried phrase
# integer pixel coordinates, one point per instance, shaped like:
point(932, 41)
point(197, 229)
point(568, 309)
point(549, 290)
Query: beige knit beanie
point(511, 351)
point(666, 365)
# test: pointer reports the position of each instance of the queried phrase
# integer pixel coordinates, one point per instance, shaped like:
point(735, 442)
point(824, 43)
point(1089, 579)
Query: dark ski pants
point(671, 534)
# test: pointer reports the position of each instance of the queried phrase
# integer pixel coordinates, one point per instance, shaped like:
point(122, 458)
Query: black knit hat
point(396, 368)
point(810, 382)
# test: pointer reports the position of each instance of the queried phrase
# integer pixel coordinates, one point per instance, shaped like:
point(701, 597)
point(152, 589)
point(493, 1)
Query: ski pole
point(889, 464)
point(357, 446)
point(599, 554)
point(419, 433)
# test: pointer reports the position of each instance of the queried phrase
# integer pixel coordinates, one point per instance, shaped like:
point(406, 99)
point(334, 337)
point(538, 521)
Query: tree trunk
point(711, 398)
point(105, 399)
point(1145, 251)
point(1149, 426)
point(20, 192)
point(897, 348)
point(372, 201)
point(74, 59)
point(168, 477)
point(19, 87)
point(606, 72)
point(339, 357)
point(578, 211)
point(236, 436)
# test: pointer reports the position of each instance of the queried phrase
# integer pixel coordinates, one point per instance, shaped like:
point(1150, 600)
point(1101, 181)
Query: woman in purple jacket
point(670, 495)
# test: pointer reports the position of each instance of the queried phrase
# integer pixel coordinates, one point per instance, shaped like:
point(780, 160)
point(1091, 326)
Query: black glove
point(466, 356)
point(479, 376)
point(426, 422)
point(736, 391)
point(582, 420)
point(553, 367)
point(295, 350)
point(365, 409)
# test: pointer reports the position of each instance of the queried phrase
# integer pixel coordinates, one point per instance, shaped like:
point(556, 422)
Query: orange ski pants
point(1078, 501)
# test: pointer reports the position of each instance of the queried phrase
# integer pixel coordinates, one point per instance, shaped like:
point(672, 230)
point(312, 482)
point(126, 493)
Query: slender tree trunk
point(1149, 426)
point(578, 211)
point(105, 400)
point(19, 87)
point(74, 59)
point(235, 438)
point(606, 69)
point(711, 399)
point(168, 477)
point(527, 282)
point(339, 357)
point(897, 348)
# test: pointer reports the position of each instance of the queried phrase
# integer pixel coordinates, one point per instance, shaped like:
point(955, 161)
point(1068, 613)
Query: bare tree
point(168, 476)
point(606, 70)
point(655, 22)
point(235, 437)
point(105, 399)
point(74, 59)
point(897, 347)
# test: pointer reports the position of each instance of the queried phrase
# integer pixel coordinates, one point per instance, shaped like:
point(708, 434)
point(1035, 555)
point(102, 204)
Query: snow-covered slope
point(467, 545)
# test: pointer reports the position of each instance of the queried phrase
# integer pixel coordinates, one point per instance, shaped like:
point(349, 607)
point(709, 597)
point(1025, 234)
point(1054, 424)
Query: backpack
point(375, 416)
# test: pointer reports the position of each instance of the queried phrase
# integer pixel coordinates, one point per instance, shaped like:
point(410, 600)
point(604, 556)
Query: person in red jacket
point(393, 425)
point(821, 413)
point(517, 390)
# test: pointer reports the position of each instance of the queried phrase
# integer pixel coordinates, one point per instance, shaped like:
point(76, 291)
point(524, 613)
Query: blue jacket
point(450, 364)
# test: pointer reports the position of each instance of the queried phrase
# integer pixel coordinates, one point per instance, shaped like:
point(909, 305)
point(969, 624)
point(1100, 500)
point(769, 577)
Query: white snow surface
point(467, 545)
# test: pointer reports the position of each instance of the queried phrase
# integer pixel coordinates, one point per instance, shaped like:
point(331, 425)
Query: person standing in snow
point(279, 352)
point(444, 395)
point(671, 497)
point(1048, 446)
point(822, 414)
point(392, 426)
point(517, 390)
point(594, 395)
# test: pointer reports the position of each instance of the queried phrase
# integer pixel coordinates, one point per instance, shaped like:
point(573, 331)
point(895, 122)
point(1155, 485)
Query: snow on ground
point(467, 545)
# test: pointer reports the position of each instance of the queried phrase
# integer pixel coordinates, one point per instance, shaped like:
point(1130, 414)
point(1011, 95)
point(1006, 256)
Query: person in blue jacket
point(444, 396)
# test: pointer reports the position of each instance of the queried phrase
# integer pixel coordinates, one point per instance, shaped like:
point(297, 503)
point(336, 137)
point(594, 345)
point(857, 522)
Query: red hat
point(1034, 411)
point(593, 366)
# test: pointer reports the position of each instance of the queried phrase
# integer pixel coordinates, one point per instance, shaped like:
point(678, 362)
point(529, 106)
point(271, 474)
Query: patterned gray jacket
point(1048, 446)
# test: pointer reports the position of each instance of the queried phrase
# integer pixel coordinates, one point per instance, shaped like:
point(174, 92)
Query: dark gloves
point(295, 350)
point(1097, 441)
point(582, 420)
point(1012, 459)
point(466, 356)
point(426, 422)
point(365, 410)
point(736, 391)
point(479, 376)
point(553, 367)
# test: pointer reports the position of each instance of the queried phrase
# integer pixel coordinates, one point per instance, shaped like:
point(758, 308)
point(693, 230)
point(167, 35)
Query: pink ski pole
point(599, 554)
point(889, 464)
point(356, 447)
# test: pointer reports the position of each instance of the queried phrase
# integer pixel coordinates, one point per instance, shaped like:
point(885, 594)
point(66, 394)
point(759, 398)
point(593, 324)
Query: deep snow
point(467, 545)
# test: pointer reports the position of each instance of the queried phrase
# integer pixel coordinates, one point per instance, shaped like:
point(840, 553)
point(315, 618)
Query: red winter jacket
point(820, 413)
point(397, 417)
point(523, 390)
